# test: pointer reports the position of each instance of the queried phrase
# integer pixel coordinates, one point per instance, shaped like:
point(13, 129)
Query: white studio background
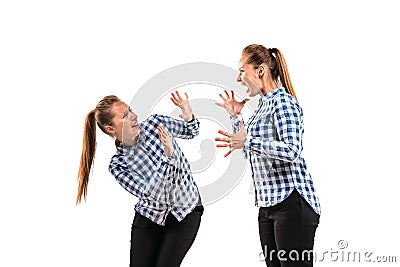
point(59, 58)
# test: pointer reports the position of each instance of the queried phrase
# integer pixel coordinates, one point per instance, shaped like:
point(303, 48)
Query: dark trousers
point(153, 245)
point(287, 232)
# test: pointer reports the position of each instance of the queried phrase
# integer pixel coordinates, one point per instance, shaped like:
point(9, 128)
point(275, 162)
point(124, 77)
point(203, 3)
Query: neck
point(132, 142)
point(268, 85)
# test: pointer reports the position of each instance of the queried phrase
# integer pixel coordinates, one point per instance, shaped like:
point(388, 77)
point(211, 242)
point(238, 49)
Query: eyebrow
point(126, 111)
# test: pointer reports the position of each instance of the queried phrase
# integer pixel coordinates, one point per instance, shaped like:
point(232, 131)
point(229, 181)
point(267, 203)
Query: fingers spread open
point(223, 145)
point(162, 132)
point(223, 98)
point(175, 101)
point(224, 133)
point(179, 96)
point(226, 93)
point(229, 152)
point(222, 139)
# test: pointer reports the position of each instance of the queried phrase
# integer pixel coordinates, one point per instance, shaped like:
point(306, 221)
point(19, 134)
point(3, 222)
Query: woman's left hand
point(233, 141)
point(183, 104)
point(166, 141)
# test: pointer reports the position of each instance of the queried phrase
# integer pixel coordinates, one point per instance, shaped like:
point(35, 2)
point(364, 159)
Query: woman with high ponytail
point(150, 165)
point(272, 140)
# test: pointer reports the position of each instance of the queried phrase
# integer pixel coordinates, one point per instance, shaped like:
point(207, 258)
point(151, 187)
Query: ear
point(110, 130)
point(260, 71)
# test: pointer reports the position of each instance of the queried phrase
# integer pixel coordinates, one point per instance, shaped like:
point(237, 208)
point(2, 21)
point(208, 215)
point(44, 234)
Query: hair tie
point(271, 50)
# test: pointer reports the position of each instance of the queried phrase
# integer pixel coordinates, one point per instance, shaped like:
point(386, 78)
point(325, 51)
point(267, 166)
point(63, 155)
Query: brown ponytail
point(283, 72)
point(258, 54)
point(87, 156)
point(103, 116)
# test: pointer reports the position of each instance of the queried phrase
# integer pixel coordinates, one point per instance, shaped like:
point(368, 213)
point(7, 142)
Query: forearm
point(193, 127)
point(235, 121)
point(180, 128)
point(272, 148)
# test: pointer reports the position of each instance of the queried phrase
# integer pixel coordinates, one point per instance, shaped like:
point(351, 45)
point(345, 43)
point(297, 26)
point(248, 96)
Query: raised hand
point(233, 141)
point(230, 104)
point(183, 104)
point(166, 141)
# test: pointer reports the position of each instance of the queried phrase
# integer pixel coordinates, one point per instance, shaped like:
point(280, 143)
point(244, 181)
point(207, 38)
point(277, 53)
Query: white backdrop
point(59, 58)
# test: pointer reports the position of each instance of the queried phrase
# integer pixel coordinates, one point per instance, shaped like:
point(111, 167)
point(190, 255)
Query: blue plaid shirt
point(162, 184)
point(274, 145)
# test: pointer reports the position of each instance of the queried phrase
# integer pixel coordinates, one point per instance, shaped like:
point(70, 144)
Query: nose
point(239, 79)
point(132, 116)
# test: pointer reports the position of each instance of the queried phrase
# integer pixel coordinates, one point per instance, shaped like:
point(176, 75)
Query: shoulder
point(152, 117)
point(284, 101)
point(152, 120)
point(157, 117)
point(117, 159)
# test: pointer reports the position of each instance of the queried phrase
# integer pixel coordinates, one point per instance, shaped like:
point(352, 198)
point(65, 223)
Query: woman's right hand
point(230, 104)
point(166, 141)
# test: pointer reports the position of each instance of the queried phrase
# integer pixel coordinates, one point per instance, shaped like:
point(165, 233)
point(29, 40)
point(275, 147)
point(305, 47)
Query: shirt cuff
point(237, 118)
point(246, 145)
point(192, 120)
point(169, 160)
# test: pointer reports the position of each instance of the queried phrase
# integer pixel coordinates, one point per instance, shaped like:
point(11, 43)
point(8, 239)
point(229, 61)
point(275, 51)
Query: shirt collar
point(273, 93)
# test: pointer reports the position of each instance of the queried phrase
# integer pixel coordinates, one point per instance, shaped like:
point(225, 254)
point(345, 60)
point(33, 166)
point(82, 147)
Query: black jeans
point(153, 245)
point(287, 232)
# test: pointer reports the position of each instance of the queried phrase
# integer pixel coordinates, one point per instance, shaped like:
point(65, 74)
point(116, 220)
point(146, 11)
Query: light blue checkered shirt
point(163, 184)
point(274, 145)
